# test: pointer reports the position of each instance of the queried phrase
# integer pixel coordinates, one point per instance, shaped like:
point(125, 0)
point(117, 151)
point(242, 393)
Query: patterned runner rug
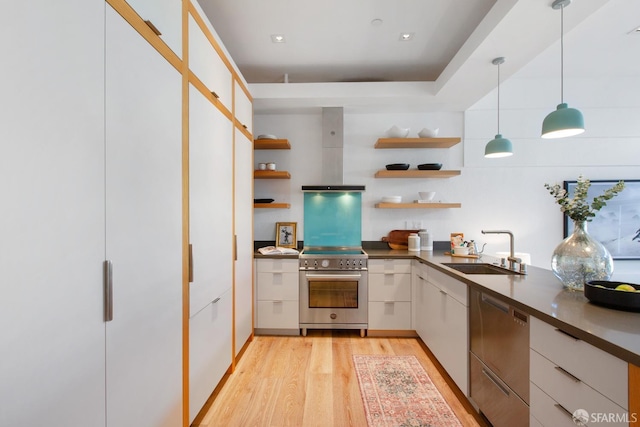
point(397, 391)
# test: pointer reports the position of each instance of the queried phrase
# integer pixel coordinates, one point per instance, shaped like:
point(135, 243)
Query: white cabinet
point(210, 199)
point(442, 321)
point(277, 294)
point(166, 17)
point(568, 374)
point(389, 294)
point(210, 350)
point(52, 357)
point(243, 108)
point(243, 223)
point(207, 65)
point(143, 231)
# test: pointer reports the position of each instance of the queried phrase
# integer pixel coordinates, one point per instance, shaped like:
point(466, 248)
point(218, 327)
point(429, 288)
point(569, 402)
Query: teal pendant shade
point(498, 147)
point(563, 122)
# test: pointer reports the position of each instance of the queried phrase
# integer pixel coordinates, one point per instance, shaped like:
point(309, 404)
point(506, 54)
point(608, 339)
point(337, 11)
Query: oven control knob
point(325, 263)
point(333, 316)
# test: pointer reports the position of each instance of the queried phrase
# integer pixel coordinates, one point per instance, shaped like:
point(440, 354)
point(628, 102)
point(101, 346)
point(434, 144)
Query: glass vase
point(580, 258)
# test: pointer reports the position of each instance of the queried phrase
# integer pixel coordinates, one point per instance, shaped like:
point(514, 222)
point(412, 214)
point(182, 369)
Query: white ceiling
point(330, 44)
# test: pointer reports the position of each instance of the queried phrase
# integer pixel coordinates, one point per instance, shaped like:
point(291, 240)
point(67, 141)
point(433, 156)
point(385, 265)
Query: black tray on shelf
point(263, 200)
point(430, 166)
point(602, 292)
point(398, 167)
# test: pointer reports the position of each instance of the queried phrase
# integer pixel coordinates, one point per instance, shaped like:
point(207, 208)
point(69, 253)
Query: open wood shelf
point(267, 174)
point(418, 205)
point(271, 205)
point(416, 173)
point(417, 142)
point(271, 144)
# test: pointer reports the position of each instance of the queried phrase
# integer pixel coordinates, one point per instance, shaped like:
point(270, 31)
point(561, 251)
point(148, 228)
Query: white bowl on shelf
point(428, 133)
point(267, 137)
point(391, 199)
point(397, 132)
point(427, 195)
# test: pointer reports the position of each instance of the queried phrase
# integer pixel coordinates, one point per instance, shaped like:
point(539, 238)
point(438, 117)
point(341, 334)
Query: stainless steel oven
point(333, 289)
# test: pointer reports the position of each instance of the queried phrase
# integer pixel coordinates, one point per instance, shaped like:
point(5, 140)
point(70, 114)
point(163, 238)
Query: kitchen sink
point(478, 268)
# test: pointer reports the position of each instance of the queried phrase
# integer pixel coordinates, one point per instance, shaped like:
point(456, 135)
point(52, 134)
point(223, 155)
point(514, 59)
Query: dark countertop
point(540, 294)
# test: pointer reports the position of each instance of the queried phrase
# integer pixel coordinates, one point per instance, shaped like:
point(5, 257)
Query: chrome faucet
point(512, 258)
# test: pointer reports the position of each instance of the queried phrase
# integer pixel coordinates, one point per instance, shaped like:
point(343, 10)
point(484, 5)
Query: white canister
point(414, 242)
point(271, 166)
point(425, 241)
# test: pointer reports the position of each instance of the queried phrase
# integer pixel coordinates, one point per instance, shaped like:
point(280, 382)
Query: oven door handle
point(333, 276)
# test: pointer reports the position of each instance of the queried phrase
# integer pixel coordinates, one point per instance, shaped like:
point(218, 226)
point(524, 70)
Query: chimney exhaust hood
point(332, 153)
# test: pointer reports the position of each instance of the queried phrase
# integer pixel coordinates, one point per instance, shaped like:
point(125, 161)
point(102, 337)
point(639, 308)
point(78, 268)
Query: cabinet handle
point(153, 27)
point(567, 373)
point(190, 263)
point(235, 247)
point(564, 410)
point(216, 300)
point(107, 272)
point(567, 334)
point(495, 382)
point(442, 291)
point(215, 95)
point(244, 126)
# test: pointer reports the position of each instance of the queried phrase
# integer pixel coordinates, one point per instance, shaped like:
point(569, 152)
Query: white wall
point(503, 193)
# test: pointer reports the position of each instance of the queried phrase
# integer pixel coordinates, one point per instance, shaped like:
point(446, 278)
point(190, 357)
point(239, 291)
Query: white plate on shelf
point(391, 199)
point(267, 137)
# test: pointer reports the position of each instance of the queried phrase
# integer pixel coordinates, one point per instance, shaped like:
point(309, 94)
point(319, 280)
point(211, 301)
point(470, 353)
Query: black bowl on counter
point(398, 167)
point(604, 293)
point(430, 166)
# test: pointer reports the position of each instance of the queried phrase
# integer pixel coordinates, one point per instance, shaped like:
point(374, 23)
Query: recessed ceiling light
point(405, 37)
point(277, 38)
point(635, 31)
point(376, 22)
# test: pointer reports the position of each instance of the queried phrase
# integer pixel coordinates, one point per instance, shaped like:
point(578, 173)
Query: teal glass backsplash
point(332, 219)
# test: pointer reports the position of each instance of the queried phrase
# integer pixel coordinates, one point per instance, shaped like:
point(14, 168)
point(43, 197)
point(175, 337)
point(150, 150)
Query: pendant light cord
point(498, 98)
point(562, 54)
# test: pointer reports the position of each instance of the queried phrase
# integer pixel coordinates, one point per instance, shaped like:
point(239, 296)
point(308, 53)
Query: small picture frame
point(286, 234)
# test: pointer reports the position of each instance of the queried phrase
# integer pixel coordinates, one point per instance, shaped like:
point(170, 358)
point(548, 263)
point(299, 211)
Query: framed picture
point(616, 225)
point(286, 234)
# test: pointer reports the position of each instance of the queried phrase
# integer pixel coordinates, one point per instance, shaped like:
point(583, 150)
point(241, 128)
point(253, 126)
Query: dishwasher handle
point(495, 303)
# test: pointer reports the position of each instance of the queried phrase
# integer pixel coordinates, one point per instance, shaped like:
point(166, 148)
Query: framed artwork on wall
point(286, 234)
point(616, 225)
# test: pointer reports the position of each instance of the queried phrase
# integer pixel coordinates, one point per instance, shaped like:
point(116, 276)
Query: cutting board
point(398, 239)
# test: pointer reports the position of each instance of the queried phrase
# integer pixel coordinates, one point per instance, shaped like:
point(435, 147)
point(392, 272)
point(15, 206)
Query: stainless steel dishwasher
point(499, 360)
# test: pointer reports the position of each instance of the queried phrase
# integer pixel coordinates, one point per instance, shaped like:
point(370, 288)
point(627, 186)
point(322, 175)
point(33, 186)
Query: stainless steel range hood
point(332, 153)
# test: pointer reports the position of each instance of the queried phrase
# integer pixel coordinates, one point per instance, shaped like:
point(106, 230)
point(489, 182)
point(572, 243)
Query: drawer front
point(572, 394)
point(277, 286)
point(389, 287)
point(546, 411)
point(582, 360)
point(390, 315)
point(277, 265)
point(389, 265)
point(277, 315)
point(449, 285)
point(499, 404)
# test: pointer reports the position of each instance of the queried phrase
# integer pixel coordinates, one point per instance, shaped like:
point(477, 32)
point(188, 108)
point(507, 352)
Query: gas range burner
point(333, 258)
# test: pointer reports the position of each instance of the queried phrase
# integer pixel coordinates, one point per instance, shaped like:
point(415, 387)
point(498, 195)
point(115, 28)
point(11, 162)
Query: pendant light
point(564, 121)
point(498, 146)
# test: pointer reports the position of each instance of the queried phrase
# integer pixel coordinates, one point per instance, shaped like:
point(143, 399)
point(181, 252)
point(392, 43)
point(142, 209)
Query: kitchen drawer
point(390, 287)
point(499, 404)
point(277, 315)
point(390, 315)
point(572, 394)
point(389, 265)
point(597, 368)
point(277, 286)
point(546, 411)
point(277, 265)
point(448, 285)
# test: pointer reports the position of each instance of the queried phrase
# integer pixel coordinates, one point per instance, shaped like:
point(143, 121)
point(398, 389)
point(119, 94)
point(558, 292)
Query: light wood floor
point(310, 381)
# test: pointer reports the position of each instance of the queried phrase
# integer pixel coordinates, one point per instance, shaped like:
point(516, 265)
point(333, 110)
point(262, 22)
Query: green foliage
point(577, 208)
